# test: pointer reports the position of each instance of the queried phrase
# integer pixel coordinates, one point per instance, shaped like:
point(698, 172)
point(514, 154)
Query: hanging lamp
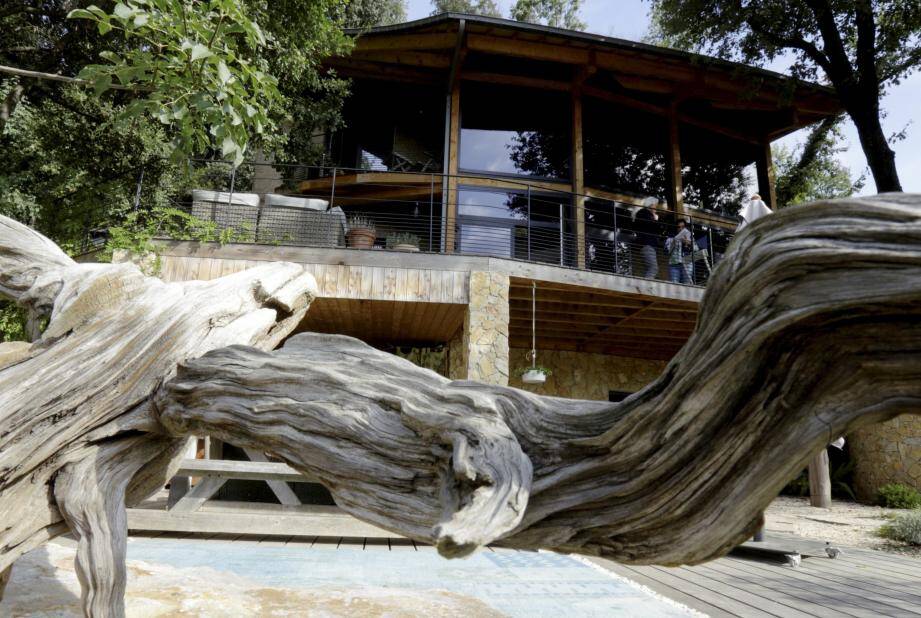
point(534, 374)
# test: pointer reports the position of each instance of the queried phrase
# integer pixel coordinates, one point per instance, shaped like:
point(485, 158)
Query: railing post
point(693, 273)
point(529, 223)
point(431, 208)
point(332, 194)
point(616, 242)
point(562, 239)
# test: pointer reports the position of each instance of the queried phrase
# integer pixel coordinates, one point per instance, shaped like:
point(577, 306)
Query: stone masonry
point(579, 375)
point(480, 349)
point(886, 453)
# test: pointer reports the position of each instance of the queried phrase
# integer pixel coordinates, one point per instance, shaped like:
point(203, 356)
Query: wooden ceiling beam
point(406, 58)
point(516, 80)
point(385, 42)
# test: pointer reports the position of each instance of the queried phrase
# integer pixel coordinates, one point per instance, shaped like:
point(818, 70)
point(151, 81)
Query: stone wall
point(480, 350)
point(886, 453)
point(579, 375)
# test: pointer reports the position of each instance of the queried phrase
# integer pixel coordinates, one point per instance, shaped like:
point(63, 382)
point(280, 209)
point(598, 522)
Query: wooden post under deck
point(578, 173)
point(765, 165)
point(676, 197)
point(453, 155)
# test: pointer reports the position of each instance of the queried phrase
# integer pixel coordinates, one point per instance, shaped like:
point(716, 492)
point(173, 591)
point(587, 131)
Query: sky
point(628, 19)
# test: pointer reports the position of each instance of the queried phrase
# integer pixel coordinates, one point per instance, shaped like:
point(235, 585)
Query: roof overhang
point(737, 100)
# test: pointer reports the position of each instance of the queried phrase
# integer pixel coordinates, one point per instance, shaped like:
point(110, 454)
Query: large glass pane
point(624, 149)
point(517, 131)
point(497, 223)
point(717, 172)
point(389, 126)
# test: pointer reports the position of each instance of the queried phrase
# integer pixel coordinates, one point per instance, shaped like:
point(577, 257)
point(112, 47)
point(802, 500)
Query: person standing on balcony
point(680, 249)
point(647, 237)
point(754, 210)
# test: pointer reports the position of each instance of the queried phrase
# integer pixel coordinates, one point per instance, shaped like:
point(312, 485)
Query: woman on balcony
point(680, 248)
point(647, 237)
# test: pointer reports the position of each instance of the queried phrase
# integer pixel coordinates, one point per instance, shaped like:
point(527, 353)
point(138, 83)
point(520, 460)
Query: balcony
point(407, 213)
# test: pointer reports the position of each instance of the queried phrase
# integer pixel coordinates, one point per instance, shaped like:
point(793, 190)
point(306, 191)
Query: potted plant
point(362, 233)
point(534, 374)
point(403, 242)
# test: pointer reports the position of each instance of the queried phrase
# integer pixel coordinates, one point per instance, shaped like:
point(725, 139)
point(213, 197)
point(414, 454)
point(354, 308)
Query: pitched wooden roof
point(735, 99)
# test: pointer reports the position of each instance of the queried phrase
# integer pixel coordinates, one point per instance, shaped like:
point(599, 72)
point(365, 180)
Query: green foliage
point(198, 68)
point(66, 168)
point(905, 528)
point(12, 322)
point(136, 235)
point(470, 7)
point(556, 13)
point(70, 162)
point(898, 496)
point(813, 171)
point(402, 238)
point(860, 48)
point(370, 13)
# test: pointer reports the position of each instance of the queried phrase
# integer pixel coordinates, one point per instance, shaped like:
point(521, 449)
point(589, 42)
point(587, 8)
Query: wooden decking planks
point(267, 520)
point(860, 583)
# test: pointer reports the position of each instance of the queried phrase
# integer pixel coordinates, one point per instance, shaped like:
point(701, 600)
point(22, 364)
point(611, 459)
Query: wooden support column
point(453, 157)
point(765, 165)
point(578, 173)
point(820, 480)
point(676, 188)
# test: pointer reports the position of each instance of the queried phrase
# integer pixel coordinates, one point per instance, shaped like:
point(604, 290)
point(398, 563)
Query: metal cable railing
point(334, 207)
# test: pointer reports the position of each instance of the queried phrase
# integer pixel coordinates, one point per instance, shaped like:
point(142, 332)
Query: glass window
point(717, 173)
point(509, 224)
point(389, 126)
point(624, 149)
point(517, 131)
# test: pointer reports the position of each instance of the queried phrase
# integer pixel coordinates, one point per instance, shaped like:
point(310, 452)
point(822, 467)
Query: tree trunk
point(820, 481)
point(880, 157)
point(74, 406)
point(809, 329)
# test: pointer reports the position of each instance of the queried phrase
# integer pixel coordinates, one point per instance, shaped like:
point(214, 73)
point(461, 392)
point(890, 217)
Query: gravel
point(845, 523)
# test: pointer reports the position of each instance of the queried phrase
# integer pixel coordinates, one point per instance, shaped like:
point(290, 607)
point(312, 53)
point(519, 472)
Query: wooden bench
point(190, 508)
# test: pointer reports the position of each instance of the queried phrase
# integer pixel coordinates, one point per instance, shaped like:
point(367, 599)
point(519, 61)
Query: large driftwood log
point(810, 328)
point(77, 438)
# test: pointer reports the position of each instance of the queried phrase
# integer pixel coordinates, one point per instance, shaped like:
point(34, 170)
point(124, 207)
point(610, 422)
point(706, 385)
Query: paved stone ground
point(205, 578)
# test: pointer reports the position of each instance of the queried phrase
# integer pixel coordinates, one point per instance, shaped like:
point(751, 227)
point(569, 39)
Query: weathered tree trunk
point(809, 329)
point(880, 156)
point(820, 480)
point(75, 422)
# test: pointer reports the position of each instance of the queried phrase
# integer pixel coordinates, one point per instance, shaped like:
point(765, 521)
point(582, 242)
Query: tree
point(470, 7)
point(556, 13)
point(861, 47)
point(370, 13)
point(812, 171)
point(70, 160)
point(677, 474)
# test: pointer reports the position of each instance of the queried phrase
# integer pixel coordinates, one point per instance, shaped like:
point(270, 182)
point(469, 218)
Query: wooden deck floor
point(859, 583)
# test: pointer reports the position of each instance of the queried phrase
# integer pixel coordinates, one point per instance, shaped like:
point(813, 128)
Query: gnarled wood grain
point(810, 328)
point(113, 337)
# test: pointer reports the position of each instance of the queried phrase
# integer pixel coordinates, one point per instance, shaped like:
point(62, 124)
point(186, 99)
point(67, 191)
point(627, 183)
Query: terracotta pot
point(361, 238)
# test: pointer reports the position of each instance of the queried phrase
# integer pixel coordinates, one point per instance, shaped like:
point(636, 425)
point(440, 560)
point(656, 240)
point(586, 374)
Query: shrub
point(898, 496)
point(906, 527)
